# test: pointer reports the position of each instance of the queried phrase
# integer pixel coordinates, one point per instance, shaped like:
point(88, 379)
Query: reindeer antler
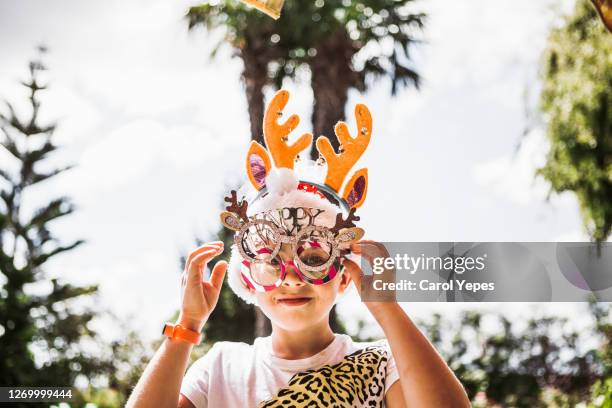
point(237, 208)
point(342, 223)
point(276, 135)
point(338, 165)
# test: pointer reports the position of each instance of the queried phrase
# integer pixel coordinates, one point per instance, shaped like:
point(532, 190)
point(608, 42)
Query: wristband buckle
point(179, 332)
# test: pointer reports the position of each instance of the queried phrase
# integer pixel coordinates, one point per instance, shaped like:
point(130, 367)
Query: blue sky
point(158, 133)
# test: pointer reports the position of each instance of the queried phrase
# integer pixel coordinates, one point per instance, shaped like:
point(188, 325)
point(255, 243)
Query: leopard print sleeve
point(358, 380)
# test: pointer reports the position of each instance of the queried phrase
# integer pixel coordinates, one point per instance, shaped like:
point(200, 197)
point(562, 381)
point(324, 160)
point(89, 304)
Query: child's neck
point(298, 344)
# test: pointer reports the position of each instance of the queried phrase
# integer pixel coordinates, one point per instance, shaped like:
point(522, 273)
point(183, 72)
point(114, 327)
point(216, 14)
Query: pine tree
point(40, 334)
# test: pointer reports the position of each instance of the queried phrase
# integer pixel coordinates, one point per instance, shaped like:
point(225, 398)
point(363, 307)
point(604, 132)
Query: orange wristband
point(176, 331)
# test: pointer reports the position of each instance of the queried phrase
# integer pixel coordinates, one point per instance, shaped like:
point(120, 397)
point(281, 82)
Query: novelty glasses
point(268, 275)
point(315, 249)
point(314, 254)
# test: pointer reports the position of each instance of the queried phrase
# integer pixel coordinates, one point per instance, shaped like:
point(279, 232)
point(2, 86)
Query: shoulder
point(240, 350)
point(382, 350)
point(374, 355)
point(223, 351)
point(372, 351)
point(377, 351)
point(381, 344)
point(231, 346)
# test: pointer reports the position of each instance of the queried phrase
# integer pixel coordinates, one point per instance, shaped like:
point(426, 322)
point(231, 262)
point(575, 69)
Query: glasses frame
point(280, 238)
point(333, 270)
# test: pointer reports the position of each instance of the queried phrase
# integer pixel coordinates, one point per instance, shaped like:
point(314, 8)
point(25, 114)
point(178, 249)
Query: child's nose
point(292, 277)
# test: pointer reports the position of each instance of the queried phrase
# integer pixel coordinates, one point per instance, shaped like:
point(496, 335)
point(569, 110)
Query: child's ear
point(345, 280)
point(356, 189)
point(257, 165)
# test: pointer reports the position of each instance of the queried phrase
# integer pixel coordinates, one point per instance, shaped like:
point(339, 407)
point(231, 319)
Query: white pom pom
point(281, 181)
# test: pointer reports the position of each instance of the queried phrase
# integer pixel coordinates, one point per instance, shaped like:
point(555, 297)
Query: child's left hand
point(370, 250)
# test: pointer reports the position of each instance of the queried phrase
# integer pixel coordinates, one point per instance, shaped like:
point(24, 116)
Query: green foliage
point(603, 327)
point(577, 102)
point(602, 394)
point(99, 398)
point(238, 21)
point(386, 28)
point(539, 365)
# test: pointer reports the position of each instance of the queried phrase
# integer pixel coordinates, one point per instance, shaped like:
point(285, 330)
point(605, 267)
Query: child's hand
point(369, 250)
point(199, 297)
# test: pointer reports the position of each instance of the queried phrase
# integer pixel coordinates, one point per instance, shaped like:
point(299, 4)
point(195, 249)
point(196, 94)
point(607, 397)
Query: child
point(290, 258)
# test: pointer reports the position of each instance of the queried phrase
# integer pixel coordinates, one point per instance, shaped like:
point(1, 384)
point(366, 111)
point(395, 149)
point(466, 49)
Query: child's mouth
point(294, 301)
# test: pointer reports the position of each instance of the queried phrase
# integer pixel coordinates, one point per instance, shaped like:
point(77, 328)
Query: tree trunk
point(256, 56)
point(332, 77)
point(255, 77)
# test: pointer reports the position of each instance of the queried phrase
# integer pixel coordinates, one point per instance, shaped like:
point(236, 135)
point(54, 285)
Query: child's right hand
point(199, 297)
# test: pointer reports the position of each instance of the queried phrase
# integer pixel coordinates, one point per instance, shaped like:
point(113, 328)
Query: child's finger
point(217, 274)
point(217, 245)
point(371, 250)
point(368, 243)
point(358, 247)
point(197, 264)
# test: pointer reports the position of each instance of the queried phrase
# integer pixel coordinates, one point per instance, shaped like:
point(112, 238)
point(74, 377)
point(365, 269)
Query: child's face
point(300, 314)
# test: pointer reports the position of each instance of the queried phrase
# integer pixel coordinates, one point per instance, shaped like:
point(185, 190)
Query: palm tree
point(343, 43)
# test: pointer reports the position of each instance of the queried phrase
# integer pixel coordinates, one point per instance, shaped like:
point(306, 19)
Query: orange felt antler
point(276, 135)
point(351, 149)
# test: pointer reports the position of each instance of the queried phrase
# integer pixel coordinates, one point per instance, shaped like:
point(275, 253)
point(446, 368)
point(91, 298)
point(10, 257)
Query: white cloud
point(474, 43)
point(76, 116)
point(125, 155)
point(513, 175)
point(129, 153)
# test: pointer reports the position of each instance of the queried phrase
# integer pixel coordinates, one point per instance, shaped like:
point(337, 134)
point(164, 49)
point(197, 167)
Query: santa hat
point(281, 180)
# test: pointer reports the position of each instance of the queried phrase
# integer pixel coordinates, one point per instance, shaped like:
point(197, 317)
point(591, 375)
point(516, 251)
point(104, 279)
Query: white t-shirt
point(344, 374)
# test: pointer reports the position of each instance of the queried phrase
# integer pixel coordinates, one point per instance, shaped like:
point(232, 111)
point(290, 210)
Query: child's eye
point(313, 260)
